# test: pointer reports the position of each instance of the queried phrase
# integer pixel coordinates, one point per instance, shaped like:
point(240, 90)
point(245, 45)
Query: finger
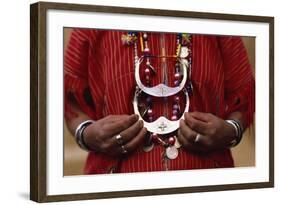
point(200, 139)
point(196, 125)
point(193, 147)
point(116, 127)
point(206, 142)
point(181, 138)
point(188, 133)
point(205, 117)
point(136, 141)
point(114, 118)
point(131, 132)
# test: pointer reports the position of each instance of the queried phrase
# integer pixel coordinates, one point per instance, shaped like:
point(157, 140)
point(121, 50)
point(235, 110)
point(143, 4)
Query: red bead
point(175, 107)
point(174, 118)
point(154, 136)
point(175, 112)
point(147, 77)
point(171, 140)
point(177, 76)
point(150, 112)
point(148, 99)
point(176, 82)
point(146, 50)
point(144, 36)
point(147, 71)
point(176, 98)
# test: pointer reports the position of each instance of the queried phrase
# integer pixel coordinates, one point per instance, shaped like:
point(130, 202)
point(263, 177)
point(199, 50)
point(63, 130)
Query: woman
point(100, 86)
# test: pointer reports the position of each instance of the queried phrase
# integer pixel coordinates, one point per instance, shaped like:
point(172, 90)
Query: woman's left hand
point(215, 133)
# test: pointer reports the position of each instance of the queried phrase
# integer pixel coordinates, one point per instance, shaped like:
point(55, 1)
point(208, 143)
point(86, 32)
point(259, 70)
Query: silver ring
point(197, 138)
point(119, 139)
point(124, 151)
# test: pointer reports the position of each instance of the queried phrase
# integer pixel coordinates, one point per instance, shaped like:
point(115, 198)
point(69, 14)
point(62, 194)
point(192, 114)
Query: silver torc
point(161, 90)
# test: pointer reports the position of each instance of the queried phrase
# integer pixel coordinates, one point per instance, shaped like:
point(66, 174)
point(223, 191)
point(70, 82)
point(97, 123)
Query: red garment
point(97, 62)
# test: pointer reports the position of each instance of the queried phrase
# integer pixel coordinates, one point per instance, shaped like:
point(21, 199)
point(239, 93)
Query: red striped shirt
point(222, 79)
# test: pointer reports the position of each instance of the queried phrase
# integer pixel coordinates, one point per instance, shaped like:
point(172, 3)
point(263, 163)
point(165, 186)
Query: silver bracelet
point(79, 138)
point(239, 132)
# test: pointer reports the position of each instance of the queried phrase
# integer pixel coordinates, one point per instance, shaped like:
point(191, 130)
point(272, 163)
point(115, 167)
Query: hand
point(215, 132)
point(100, 135)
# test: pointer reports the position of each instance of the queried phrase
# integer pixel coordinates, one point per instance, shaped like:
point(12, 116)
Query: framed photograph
point(136, 102)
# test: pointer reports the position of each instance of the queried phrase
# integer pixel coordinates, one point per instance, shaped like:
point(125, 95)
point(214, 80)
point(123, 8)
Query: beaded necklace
point(162, 130)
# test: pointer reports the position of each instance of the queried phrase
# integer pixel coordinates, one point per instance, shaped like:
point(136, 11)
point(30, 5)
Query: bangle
point(79, 137)
point(239, 132)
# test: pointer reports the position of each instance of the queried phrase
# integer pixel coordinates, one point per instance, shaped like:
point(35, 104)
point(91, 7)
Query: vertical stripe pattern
point(221, 76)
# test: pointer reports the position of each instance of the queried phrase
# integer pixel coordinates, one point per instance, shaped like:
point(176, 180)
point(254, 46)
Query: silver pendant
point(172, 152)
point(177, 143)
point(148, 148)
point(184, 52)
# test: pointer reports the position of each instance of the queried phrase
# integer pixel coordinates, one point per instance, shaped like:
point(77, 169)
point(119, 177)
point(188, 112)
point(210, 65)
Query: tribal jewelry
point(162, 130)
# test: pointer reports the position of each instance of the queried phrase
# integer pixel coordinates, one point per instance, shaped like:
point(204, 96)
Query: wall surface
point(14, 109)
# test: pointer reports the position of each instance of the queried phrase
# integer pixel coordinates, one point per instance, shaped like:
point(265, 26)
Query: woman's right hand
point(100, 136)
